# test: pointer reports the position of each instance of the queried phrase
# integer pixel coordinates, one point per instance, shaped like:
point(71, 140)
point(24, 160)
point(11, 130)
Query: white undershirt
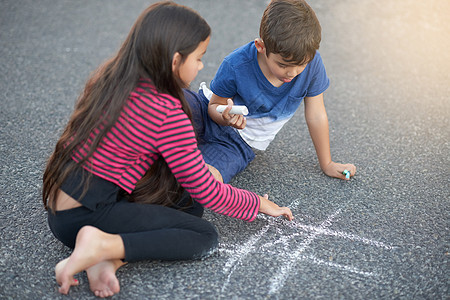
point(258, 133)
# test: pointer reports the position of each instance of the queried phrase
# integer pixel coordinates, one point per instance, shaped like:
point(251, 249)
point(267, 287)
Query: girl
point(126, 181)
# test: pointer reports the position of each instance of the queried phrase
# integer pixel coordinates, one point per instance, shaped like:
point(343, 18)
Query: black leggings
point(148, 231)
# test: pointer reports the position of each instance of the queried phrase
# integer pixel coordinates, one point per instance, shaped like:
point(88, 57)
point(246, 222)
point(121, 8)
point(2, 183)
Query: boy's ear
point(176, 60)
point(259, 44)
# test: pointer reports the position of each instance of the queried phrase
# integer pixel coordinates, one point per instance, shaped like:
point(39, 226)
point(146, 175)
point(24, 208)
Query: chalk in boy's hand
point(235, 109)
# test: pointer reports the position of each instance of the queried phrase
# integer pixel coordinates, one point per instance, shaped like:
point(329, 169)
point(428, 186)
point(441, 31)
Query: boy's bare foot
point(102, 278)
point(92, 246)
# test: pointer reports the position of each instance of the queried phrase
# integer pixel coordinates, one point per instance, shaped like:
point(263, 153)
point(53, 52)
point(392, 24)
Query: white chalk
point(235, 109)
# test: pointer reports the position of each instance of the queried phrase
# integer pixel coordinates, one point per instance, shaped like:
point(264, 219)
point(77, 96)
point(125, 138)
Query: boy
point(270, 76)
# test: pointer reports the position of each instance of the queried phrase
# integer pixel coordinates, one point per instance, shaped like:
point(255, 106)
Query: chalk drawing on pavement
point(294, 244)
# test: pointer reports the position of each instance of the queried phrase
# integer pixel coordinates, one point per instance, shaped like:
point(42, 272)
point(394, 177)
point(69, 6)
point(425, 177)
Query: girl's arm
point(177, 144)
point(317, 121)
point(269, 208)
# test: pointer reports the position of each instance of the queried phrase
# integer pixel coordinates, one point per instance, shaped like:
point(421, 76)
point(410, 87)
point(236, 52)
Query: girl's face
point(188, 70)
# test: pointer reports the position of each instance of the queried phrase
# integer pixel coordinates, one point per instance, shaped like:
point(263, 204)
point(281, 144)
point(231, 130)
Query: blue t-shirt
point(240, 77)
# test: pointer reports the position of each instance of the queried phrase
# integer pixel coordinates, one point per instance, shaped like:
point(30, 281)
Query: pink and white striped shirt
point(153, 124)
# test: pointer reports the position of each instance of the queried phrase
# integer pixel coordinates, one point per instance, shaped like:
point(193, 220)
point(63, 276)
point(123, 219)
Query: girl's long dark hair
point(162, 30)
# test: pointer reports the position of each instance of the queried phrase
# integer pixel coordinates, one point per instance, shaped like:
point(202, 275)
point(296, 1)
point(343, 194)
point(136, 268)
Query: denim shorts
point(221, 146)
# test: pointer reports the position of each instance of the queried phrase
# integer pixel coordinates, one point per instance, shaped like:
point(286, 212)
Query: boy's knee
point(215, 173)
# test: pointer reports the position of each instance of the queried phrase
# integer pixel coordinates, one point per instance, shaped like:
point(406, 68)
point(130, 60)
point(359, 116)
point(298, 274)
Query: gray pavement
point(384, 235)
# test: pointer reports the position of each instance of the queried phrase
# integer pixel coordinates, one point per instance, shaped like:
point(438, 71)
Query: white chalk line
point(313, 259)
point(242, 252)
point(279, 279)
point(248, 247)
point(340, 234)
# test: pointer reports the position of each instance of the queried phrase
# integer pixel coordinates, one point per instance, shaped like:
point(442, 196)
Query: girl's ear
point(176, 61)
point(259, 44)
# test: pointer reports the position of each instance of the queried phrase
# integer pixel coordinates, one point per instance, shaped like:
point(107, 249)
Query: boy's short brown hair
point(290, 28)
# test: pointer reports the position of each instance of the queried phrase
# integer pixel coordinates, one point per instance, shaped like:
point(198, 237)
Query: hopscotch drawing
point(293, 251)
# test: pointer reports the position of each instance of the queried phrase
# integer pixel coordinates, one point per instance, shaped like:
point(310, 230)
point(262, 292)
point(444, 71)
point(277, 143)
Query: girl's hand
point(236, 121)
point(269, 208)
point(336, 170)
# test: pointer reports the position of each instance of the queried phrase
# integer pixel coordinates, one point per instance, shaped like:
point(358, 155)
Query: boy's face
point(276, 69)
point(281, 69)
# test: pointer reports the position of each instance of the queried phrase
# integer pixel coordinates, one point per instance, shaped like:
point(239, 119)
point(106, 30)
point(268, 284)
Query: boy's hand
point(225, 118)
point(269, 208)
point(236, 121)
point(336, 170)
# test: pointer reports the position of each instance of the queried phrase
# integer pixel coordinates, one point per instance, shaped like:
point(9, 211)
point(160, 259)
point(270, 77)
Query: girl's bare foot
point(102, 278)
point(64, 280)
point(92, 246)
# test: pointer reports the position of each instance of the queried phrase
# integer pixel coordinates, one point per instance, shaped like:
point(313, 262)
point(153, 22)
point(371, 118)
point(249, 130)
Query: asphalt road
point(383, 235)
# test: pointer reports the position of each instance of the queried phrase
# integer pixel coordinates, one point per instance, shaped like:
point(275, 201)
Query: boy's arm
point(317, 121)
point(225, 118)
